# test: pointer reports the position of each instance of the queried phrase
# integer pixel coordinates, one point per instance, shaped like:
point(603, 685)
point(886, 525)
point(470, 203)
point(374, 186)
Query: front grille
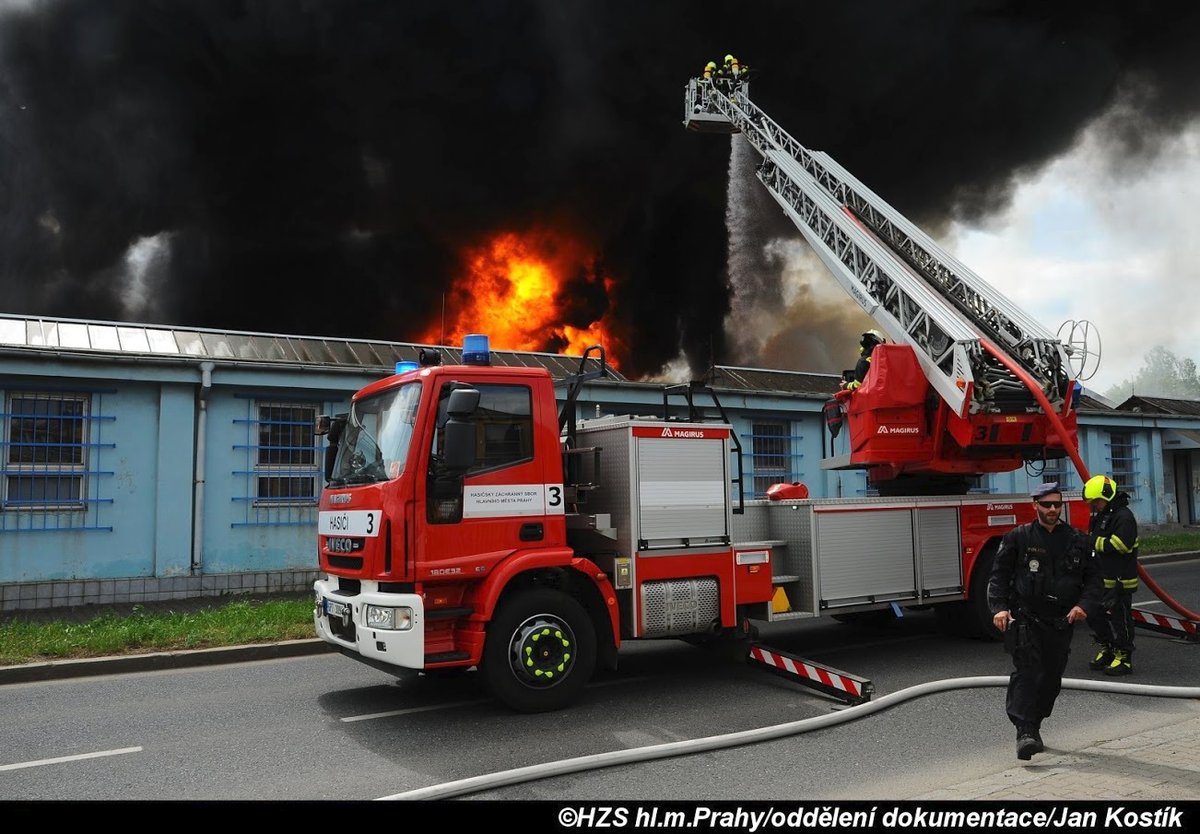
point(346, 562)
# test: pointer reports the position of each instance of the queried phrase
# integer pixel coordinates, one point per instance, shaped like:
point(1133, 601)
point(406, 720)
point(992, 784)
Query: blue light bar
point(475, 350)
point(405, 366)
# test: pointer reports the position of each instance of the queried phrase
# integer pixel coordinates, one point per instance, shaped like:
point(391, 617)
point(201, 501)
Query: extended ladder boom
point(965, 334)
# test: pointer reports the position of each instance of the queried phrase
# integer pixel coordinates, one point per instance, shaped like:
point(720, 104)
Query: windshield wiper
point(361, 478)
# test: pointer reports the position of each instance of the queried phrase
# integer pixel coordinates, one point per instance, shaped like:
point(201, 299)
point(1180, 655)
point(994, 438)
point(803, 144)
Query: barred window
point(282, 475)
point(1061, 472)
point(46, 465)
point(770, 446)
point(286, 460)
point(1123, 453)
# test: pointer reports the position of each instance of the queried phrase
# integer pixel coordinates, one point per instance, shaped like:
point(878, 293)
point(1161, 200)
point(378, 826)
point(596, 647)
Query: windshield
point(378, 435)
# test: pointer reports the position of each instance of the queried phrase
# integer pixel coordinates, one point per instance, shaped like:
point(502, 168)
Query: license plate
point(336, 609)
point(340, 545)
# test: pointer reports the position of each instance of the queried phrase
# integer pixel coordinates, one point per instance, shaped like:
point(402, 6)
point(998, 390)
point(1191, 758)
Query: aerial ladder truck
point(472, 518)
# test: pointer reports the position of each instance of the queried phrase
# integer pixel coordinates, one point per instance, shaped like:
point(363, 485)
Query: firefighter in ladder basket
point(870, 339)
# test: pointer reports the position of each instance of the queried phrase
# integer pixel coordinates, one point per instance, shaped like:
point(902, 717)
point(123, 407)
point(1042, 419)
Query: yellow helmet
point(1100, 486)
point(711, 65)
point(729, 59)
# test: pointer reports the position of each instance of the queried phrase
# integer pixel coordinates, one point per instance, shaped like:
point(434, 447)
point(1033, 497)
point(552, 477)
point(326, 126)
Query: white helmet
point(874, 337)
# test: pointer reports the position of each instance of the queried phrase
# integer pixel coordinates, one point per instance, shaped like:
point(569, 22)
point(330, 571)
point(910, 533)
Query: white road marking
point(80, 757)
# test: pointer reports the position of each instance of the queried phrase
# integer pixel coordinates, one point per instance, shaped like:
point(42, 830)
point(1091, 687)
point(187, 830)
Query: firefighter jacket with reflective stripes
point(860, 370)
point(1043, 572)
point(1114, 535)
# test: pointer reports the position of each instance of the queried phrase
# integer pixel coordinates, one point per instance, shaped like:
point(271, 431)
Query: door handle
point(532, 532)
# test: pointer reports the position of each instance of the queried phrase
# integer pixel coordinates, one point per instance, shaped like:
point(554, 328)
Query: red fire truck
point(470, 521)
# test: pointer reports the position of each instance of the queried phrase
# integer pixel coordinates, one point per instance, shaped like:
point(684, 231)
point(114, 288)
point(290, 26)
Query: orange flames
point(521, 290)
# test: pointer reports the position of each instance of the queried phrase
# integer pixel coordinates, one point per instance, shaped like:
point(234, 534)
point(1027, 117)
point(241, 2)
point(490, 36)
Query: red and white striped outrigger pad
point(832, 681)
point(1161, 622)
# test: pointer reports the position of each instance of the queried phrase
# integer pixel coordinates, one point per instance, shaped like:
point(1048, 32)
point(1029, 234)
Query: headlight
point(392, 619)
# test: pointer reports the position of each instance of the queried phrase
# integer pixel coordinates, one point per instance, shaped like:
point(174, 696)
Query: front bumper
point(395, 648)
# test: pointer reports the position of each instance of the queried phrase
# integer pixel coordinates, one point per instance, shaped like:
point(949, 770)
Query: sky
point(1112, 248)
point(334, 167)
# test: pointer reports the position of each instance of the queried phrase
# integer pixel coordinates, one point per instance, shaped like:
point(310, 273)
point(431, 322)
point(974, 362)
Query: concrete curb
point(1160, 558)
point(91, 666)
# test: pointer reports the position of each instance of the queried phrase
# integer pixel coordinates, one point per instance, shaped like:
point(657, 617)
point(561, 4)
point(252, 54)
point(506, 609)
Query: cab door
point(501, 503)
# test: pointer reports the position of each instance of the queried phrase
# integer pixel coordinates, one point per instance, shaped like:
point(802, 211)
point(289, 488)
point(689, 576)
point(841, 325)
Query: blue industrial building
point(145, 463)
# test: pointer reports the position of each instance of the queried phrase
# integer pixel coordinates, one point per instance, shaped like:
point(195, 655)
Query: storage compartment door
point(681, 492)
point(865, 556)
point(939, 551)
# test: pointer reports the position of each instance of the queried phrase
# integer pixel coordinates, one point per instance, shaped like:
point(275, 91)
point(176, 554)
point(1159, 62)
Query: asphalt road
point(323, 727)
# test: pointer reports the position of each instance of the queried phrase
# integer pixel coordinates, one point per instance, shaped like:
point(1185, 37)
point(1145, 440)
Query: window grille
point(52, 476)
point(771, 456)
point(1122, 452)
point(1061, 472)
point(283, 464)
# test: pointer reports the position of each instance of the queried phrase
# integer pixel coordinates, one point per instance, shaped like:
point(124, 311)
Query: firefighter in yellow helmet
point(1114, 535)
point(709, 70)
point(865, 347)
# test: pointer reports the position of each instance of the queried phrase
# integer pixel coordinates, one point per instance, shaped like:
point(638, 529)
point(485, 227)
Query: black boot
point(1029, 741)
point(1121, 664)
point(1104, 656)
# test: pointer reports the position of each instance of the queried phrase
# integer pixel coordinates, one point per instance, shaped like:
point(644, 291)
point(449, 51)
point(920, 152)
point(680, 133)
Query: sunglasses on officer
point(1050, 505)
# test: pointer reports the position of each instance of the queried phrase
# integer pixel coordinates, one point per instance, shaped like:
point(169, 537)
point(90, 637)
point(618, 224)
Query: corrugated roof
point(147, 341)
point(1162, 405)
point(788, 382)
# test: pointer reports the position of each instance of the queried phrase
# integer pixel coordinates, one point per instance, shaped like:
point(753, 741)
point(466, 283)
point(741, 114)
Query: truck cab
point(446, 493)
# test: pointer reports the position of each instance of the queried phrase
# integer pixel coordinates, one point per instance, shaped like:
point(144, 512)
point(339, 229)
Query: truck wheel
point(540, 651)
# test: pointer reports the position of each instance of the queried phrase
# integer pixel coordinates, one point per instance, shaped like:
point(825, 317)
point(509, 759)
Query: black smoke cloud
point(317, 167)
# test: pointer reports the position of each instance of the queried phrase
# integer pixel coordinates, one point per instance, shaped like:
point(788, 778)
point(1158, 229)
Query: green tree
point(1163, 375)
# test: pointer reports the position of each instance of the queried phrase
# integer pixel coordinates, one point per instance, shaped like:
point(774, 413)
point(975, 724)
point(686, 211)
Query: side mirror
point(331, 428)
point(458, 451)
point(458, 448)
point(463, 402)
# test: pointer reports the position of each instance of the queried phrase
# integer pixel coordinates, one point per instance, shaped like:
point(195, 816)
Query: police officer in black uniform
point(1042, 583)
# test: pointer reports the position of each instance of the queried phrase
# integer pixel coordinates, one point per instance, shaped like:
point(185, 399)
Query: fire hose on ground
point(519, 775)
